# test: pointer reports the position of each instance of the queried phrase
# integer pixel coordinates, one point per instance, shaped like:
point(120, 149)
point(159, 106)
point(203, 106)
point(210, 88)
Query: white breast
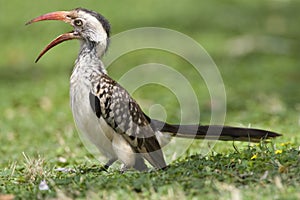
point(95, 129)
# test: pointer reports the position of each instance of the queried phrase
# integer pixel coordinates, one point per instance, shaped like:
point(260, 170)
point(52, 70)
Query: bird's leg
point(140, 164)
point(123, 168)
point(109, 163)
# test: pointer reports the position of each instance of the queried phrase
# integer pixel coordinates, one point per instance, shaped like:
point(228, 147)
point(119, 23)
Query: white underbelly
point(90, 126)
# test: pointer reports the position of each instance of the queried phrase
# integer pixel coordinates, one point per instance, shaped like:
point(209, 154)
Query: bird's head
point(89, 27)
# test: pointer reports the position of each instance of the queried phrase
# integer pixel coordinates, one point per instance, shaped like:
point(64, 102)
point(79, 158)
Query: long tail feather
point(213, 132)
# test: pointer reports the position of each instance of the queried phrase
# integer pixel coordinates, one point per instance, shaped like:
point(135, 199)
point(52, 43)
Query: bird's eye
point(78, 22)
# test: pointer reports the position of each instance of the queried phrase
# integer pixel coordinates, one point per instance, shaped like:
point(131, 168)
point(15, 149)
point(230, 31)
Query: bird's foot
point(123, 169)
point(109, 163)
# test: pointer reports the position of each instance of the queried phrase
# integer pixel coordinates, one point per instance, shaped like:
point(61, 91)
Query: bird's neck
point(90, 55)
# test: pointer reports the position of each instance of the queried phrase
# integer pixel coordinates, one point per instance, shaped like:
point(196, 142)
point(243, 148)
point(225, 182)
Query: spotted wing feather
point(112, 102)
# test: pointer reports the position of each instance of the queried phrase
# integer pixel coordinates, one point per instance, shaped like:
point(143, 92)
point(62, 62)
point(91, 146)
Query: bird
point(109, 116)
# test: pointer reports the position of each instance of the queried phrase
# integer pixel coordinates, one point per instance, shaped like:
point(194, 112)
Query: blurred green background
point(255, 45)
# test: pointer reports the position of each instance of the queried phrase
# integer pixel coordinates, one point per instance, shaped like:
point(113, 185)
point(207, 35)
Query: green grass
point(255, 45)
point(273, 173)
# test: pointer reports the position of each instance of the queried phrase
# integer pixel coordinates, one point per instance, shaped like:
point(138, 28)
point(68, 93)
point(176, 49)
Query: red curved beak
point(56, 41)
point(58, 15)
point(65, 16)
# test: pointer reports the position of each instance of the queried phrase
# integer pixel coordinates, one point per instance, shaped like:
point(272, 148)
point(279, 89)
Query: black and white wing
point(121, 112)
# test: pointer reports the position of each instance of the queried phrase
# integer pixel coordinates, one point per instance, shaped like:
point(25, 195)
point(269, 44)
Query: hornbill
point(106, 113)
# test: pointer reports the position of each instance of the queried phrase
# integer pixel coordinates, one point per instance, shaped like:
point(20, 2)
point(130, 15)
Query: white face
point(89, 27)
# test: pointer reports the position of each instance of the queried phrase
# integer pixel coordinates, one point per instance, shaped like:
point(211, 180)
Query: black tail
point(213, 132)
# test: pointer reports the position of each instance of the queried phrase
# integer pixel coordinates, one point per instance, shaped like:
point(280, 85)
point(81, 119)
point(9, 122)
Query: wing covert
point(121, 112)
